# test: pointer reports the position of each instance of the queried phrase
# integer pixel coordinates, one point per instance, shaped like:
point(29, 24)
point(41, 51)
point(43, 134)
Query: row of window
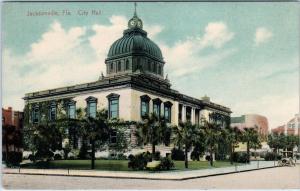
point(113, 108)
point(91, 108)
point(119, 66)
point(150, 66)
point(145, 100)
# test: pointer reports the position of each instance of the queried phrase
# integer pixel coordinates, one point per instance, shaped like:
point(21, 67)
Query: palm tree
point(233, 136)
point(97, 131)
point(186, 135)
point(212, 131)
point(153, 130)
point(251, 137)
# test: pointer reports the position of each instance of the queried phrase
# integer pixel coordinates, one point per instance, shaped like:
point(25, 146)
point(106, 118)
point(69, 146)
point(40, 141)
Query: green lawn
point(116, 165)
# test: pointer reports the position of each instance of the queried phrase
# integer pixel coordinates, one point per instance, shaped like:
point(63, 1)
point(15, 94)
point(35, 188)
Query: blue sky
point(243, 55)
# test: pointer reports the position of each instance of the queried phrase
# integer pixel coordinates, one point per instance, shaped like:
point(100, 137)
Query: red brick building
point(9, 136)
point(10, 117)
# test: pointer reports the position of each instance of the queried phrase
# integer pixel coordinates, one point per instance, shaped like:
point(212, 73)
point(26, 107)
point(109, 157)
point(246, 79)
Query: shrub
point(177, 154)
point(195, 155)
point(157, 155)
point(83, 152)
point(14, 158)
point(207, 157)
point(121, 156)
point(43, 154)
point(262, 154)
point(166, 163)
point(31, 157)
point(139, 161)
point(57, 157)
point(279, 157)
point(240, 157)
point(243, 158)
point(114, 156)
point(67, 150)
point(272, 156)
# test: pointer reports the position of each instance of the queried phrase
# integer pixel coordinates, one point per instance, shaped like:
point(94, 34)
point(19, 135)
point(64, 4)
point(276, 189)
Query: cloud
point(262, 35)
point(216, 35)
point(61, 57)
point(185, 57)
point(106, 35)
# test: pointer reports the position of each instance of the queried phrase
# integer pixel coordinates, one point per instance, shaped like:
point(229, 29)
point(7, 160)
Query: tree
point(291, 142)
point(120, 142)
point(233, 136)
point(274, 142)
point(251, 137)
point(212, 132)
point(153, 130)
point(46, 139)
point(97, 131)
point(186, 135)
point(11, 136)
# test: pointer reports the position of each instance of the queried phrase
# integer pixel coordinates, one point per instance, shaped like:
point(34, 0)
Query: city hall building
point(133, 87)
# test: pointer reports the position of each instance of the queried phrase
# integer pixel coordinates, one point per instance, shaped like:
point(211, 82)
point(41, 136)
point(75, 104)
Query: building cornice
point(140, 81)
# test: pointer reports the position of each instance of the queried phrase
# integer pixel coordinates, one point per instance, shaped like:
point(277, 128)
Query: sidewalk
point(164, 175)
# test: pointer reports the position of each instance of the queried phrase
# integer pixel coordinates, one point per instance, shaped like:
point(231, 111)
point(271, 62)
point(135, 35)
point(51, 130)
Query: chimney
point(206, 98)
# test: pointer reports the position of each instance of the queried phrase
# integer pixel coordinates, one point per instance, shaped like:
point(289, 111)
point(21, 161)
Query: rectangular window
point(92, 109)
point(52, 112)
point(35, 115)
point(113, 137)
point(156, 109)
point(72, 111)
point(114, 108)
point(144, 108)
point(167, 113)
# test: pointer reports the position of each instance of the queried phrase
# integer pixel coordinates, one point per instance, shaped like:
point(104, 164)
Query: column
point(193, 115)
point(183, 113)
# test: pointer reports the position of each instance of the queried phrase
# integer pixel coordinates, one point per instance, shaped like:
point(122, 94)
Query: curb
point(145, 178)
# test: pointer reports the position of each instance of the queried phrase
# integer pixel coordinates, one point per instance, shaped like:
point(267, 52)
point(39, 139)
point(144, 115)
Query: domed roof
point(134, 40)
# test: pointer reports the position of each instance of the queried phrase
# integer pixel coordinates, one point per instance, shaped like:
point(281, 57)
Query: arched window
point(35, 114)
point(119, 66)
point(152, 67)
point(71, 109)
point(138, 66)
point(167, 111)
point(127, 65)
point(159, 69)
point(149, 65)
point(52, 111)
point(113, 107)
point(156, 106)
point(145, 105)
point(155, 69)
point(111, 66)
point(91, 106)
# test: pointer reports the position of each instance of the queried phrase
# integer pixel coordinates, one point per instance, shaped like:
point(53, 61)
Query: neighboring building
point(11, 118)
point(252, 120)
point(133, 87)
point(279, 129)
point(292, 127)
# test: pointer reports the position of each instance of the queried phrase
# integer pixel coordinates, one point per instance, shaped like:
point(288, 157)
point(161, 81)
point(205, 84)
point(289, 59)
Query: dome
point(134, 41)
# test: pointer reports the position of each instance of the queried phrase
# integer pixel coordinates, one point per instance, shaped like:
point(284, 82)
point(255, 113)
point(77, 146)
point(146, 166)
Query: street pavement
point(272, 178)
